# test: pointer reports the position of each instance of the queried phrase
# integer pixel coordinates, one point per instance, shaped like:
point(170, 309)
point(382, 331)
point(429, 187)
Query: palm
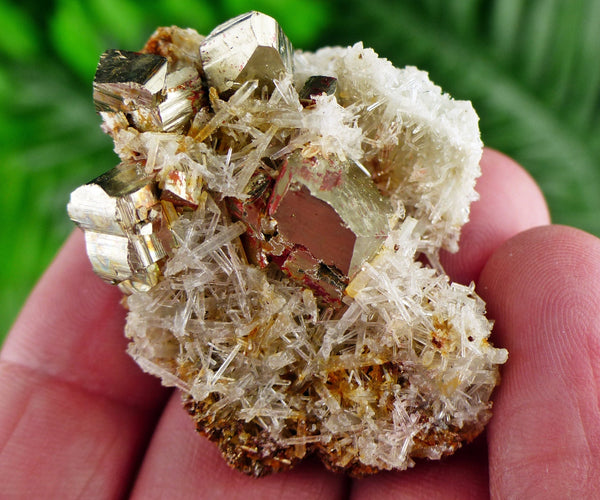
point(79, 418)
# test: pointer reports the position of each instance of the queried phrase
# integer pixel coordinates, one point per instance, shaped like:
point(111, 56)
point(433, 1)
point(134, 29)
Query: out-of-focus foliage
point(531, 68)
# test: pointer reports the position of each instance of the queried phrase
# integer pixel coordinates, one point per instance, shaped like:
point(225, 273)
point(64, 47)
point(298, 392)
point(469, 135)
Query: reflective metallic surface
point(250, 46)
point(127, 80)
point(125, 224)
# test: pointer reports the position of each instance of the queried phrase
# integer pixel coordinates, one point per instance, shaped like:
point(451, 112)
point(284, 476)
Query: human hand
point(79, 419)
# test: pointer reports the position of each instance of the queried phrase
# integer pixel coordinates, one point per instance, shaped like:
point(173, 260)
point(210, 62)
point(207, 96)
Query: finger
point(543, 290)
point(76, 412)
point(510, 202)
point(71, 328)
point(182, 464)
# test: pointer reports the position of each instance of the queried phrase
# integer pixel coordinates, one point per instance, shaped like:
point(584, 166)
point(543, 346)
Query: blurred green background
point(531, 68)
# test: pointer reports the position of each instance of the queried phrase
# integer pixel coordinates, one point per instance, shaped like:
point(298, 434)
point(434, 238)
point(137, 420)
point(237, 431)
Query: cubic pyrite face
point(141, 87)
point(271, 245)
point(113, 202)
point(302, 221)
point(124, 225)
point(250, 46)
point(127, 80)
point(367, 216)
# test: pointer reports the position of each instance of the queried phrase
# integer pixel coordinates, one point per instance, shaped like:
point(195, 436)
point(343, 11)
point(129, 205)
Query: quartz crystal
point(275, 221)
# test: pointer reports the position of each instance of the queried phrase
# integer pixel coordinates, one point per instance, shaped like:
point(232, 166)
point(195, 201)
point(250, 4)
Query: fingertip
point(536, 265)
point(510, 202)
point(542, 289)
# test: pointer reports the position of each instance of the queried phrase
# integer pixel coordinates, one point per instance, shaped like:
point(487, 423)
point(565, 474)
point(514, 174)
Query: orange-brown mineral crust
point(269, 222)
point(252, 451)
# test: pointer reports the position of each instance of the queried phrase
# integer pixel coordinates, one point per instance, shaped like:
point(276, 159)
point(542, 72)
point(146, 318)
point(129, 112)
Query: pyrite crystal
point(269, 220)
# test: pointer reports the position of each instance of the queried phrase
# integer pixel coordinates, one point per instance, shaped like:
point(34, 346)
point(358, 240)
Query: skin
point(79, 419)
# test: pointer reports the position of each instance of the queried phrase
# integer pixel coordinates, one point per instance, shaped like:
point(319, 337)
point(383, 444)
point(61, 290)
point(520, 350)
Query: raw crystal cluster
point(275, 222)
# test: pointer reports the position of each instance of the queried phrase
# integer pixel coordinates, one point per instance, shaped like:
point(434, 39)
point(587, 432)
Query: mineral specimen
point(269, 221)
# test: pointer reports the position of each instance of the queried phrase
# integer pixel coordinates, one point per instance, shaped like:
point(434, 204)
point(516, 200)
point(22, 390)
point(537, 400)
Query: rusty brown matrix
point(268, 222)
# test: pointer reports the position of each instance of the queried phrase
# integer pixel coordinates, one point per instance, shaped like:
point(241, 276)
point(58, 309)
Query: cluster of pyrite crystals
point(269, 221)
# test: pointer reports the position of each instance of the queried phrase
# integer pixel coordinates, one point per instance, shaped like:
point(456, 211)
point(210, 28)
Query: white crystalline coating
point(404, 368)
point(178, 45)
point(428, 142)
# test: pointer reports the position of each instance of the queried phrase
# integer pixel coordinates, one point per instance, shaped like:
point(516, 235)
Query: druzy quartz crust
point(274, 223)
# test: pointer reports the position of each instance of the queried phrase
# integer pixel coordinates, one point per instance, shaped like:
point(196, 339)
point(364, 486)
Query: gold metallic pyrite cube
point(117, 211)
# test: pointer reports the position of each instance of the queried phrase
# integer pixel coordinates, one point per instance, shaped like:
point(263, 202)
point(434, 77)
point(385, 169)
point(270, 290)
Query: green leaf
point(18, 36)
point(121, 20)
point(505, 23)
point(51, 143)
point(197, 14)
point(5, 88)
